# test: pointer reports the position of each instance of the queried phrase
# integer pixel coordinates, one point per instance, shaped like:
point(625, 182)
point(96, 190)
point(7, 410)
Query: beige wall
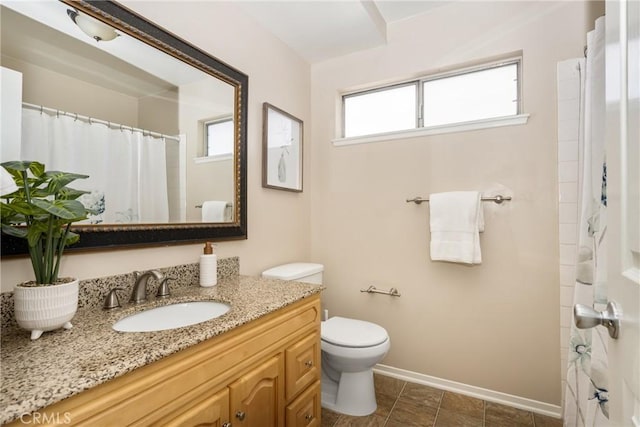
point(495, 325)
point(55, 90)
point(278, 220)
point(159, 112)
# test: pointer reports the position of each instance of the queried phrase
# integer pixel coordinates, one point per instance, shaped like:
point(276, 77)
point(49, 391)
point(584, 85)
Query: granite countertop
point(62, 363)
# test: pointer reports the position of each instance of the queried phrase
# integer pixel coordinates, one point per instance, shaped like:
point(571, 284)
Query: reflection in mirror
point(94, 108)
point(160, 137)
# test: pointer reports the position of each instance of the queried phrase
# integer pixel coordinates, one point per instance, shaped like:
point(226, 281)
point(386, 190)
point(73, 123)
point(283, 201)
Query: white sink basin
point(171, 316)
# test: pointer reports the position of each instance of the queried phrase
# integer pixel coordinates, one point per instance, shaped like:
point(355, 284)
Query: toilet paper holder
point(373, 290)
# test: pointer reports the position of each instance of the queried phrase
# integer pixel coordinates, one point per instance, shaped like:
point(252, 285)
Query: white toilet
point(350, 349)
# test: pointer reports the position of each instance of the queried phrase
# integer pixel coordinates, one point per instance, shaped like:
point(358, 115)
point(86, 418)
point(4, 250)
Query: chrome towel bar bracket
point(372, 290)
point(496, 199)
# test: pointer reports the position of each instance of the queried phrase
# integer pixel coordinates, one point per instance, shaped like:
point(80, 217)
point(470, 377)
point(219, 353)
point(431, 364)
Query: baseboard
point(469, 390)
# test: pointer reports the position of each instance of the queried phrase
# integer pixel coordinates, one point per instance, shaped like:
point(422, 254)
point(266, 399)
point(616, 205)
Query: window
point(381, 110)
point(219, 137)
point(486, 92)
point(469, 96)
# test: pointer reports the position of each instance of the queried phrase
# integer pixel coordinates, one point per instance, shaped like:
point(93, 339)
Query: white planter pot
point(45, 308)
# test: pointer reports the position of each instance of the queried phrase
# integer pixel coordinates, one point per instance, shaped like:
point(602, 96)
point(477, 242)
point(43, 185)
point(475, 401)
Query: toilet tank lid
point(293, 270)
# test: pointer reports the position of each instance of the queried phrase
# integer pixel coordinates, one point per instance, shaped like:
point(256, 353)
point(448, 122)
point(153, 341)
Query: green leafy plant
point(42, 211)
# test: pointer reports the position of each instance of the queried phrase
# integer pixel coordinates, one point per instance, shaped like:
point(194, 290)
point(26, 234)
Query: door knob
point(586, 317)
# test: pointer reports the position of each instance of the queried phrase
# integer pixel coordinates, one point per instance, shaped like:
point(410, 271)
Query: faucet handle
point(163, 288)
point(112, 301)
point(155, 273)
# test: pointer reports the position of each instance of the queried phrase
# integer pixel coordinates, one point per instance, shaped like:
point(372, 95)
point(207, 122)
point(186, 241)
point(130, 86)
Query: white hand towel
point(455, 220)
point(213, 210)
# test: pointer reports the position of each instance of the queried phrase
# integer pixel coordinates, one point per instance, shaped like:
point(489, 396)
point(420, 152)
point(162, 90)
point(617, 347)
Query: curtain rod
point(91, 120)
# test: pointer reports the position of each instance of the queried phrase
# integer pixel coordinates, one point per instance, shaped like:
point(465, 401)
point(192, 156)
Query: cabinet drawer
point(302, 364)
point(211, 411)
point(305, 410)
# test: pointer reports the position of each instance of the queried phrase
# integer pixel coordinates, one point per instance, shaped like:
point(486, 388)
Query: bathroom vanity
point(257, 365)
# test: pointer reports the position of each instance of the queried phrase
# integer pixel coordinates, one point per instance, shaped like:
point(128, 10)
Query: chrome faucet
point(139, 294)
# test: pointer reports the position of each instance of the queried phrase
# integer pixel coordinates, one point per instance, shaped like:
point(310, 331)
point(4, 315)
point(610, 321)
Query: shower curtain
point(127, 170)
point(586, 394)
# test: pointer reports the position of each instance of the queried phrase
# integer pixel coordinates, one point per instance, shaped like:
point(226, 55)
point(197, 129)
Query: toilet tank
point(307, 272)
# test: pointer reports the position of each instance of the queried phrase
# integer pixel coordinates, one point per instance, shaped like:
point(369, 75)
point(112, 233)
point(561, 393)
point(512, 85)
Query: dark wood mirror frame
point(114, 236)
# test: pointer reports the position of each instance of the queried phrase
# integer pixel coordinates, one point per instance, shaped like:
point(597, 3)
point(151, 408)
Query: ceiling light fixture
point(97, 30)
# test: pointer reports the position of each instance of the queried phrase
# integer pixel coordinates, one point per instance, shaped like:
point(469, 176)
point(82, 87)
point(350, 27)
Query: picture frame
point(282, 145)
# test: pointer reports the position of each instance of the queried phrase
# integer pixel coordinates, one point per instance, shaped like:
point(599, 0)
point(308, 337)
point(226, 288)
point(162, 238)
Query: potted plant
point(42, 211)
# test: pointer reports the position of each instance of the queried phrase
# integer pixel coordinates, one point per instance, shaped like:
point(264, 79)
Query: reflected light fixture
point(97, 30)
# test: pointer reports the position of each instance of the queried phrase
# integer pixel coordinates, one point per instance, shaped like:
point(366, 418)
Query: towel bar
point(229, 205)
point(496, 199)
point(372, 290)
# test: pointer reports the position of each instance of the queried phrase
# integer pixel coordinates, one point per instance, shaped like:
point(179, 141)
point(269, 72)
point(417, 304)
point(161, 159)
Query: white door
point(623, 210)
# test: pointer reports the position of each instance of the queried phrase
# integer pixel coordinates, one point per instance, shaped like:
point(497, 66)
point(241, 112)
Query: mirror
point(157, 124)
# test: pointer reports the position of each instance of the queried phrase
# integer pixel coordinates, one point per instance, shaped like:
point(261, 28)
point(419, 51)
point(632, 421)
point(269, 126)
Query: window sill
point(520, 119)
point(214, 158)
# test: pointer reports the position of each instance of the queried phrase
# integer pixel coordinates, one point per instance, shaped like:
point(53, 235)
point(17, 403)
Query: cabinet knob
point(308, 363)
point(240, 415)
point(308, 417)
point(226, 425)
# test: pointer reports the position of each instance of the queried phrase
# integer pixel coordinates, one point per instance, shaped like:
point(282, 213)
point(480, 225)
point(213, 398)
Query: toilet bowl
point(350, 349)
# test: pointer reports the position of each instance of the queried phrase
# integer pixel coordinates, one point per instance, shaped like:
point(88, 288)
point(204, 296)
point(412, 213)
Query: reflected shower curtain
point(586, 395)
point(127, 170)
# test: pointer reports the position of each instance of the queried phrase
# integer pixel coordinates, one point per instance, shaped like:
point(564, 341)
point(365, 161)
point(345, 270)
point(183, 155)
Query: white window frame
point(518, 119)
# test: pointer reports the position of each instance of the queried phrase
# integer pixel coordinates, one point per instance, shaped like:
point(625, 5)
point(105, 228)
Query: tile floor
point(405, 404)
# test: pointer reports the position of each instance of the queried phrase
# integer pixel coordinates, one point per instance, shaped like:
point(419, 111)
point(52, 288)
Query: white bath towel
point(455, 220)
point(213, 210)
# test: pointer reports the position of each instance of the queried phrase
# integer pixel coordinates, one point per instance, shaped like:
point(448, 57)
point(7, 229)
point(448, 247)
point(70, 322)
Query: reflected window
point(219, 137)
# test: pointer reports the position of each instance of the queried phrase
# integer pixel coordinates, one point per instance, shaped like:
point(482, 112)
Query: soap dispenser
point(208, 266)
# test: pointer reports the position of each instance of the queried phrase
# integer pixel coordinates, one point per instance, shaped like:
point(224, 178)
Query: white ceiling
point(316, 29)
point(321, 29)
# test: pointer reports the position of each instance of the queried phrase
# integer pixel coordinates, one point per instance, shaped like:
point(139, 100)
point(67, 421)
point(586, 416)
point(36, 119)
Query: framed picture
point(281, 149)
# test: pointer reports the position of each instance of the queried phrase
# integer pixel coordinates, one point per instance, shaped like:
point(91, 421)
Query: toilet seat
point(344, 332)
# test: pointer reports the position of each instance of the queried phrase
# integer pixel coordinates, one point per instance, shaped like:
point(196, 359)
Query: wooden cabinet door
point(257, 397)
